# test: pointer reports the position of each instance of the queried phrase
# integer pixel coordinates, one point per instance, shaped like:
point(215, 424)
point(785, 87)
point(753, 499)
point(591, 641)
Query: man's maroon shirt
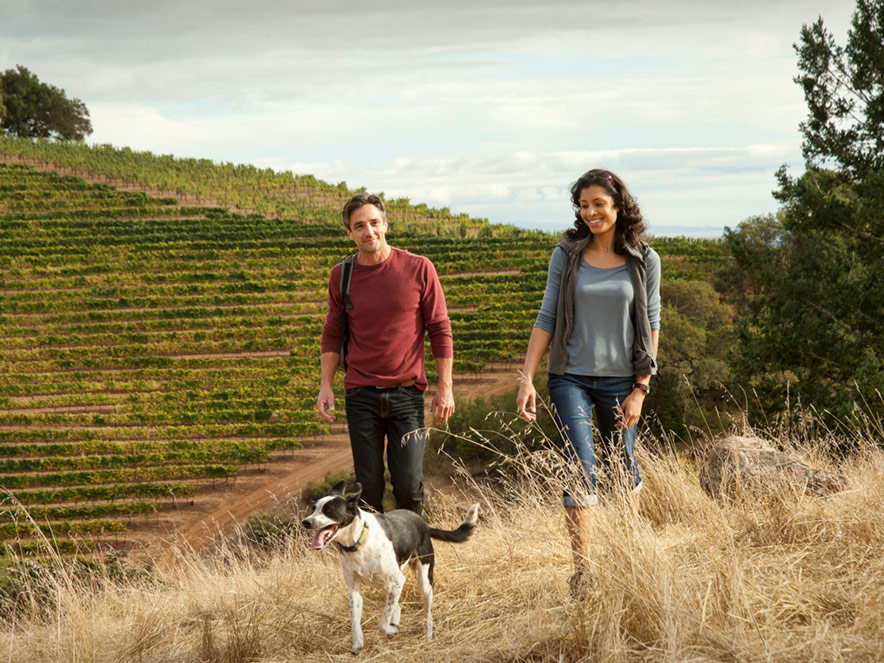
point(393, 304)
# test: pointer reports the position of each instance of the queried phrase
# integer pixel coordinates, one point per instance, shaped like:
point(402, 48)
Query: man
point(396, 297)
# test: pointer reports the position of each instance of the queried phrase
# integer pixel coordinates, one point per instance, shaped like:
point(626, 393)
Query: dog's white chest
point(374, 563)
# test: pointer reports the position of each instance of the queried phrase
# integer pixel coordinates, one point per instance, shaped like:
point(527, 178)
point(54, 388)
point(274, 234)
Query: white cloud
point(489, 107)
point(676, 187)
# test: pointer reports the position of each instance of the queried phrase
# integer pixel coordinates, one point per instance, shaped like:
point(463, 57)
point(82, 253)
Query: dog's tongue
point(322, 537)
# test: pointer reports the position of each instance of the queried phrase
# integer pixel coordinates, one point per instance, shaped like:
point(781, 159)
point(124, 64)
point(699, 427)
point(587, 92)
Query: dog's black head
point(332, 513)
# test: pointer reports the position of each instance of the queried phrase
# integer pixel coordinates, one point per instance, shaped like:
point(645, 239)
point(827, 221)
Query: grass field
point(788, 578)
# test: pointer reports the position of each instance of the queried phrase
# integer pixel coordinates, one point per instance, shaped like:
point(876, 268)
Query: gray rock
point(750, 464)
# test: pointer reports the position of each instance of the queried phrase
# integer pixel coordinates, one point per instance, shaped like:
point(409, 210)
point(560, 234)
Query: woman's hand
point(630, 409)
point(526, 401)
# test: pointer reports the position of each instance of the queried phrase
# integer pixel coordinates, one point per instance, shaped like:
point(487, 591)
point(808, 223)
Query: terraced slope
point(151, 347)
point(148, 349)
point(240, 188)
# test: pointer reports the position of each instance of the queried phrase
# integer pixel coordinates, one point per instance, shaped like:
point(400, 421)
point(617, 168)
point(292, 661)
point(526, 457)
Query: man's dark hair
point(360, 200)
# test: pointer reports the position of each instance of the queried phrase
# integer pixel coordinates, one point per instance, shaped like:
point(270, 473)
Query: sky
point(492, 108)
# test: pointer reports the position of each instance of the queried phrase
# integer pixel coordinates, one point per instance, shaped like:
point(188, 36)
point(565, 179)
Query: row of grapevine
point(242, 187)
point(150, 348)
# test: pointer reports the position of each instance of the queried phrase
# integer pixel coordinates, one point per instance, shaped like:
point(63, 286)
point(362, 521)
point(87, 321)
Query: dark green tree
point(844, 90)
point(40, 110)
point(815, 320)
point(2, 107)
point(696, 334)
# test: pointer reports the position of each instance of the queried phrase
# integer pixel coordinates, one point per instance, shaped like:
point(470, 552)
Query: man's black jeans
point(394, 415)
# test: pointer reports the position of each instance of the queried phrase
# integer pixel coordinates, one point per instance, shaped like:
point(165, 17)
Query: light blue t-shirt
point(601, 339)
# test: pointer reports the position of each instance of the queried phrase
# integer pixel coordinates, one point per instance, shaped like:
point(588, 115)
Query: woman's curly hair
point(630, 227)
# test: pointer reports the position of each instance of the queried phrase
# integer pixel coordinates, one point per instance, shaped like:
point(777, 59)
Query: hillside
point(154, 350)
point(151, 350)
point(157, 351)
point(242, 189)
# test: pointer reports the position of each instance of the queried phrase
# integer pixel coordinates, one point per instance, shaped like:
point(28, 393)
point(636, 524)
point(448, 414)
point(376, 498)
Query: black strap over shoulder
point(346, 305)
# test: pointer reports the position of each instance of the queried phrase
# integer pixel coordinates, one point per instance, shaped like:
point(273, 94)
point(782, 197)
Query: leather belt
point(406, 383)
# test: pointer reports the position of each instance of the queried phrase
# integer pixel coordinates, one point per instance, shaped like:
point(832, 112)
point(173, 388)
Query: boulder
point(751, 464)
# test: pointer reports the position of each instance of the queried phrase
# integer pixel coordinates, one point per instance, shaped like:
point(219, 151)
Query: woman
point(600, 318)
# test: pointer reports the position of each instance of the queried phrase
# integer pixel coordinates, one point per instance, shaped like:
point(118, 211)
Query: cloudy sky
point(488, 107)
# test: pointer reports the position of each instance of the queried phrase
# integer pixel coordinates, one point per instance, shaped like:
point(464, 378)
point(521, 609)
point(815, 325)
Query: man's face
point(368, 228)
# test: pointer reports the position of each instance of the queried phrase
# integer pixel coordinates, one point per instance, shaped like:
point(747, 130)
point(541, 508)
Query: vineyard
point(151, 349)
point(240, 188)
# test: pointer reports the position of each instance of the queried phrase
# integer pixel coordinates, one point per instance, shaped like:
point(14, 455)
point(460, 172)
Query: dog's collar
point(358, 543)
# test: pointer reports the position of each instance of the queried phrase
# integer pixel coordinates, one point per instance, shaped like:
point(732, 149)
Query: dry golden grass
point(789, 578)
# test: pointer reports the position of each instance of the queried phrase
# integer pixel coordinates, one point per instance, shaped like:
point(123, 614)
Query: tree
point(844, 91)
point(40, 110)
point(697, 328)
point(816, 323)
point(2, 107)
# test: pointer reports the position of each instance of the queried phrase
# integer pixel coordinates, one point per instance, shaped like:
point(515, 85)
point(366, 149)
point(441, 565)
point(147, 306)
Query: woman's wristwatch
point(641, 386)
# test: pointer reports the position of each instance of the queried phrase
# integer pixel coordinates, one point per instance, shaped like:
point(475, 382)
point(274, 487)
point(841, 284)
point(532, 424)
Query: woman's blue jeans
point(392, 419)
point(574, 398)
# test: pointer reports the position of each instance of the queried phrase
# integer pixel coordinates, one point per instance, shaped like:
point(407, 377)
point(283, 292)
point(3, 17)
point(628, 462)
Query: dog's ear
point(357, 491)
point(338, 489)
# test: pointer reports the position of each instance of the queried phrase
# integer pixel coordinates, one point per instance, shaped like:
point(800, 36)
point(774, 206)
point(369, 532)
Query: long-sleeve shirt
point(393, 305)
point(601, 339)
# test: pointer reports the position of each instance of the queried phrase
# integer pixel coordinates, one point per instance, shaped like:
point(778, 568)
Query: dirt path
point(331, 455)
point(217, 512)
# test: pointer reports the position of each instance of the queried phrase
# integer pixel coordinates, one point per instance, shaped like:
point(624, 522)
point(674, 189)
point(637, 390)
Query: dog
point(375, 548)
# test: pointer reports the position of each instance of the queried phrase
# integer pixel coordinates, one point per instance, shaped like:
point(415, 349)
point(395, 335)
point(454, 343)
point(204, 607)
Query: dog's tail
point(463, 532)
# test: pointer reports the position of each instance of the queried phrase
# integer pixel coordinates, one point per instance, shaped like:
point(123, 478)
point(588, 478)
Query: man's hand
point(443, 403)
point(326, 403)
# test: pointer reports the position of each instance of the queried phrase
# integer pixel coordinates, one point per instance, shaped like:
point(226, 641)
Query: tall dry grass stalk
point(787, 578)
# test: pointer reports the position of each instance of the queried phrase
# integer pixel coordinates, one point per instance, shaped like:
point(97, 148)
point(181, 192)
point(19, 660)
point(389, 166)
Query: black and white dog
point(375, 548)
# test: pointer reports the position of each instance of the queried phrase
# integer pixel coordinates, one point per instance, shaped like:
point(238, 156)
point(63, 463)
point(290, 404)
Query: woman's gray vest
point(642, 350)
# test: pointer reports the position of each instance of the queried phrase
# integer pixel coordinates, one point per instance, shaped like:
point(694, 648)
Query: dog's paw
point(355, 649)
point(391, 630)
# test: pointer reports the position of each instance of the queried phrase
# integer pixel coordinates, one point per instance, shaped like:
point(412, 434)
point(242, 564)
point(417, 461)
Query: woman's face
point(597, 210)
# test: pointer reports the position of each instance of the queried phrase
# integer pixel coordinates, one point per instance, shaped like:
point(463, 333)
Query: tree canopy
point(816, 322)
point(2, 107)
point(39, 110)
point(844, 90)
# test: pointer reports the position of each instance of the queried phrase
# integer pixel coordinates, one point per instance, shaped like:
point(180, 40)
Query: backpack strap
point(346, 305)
